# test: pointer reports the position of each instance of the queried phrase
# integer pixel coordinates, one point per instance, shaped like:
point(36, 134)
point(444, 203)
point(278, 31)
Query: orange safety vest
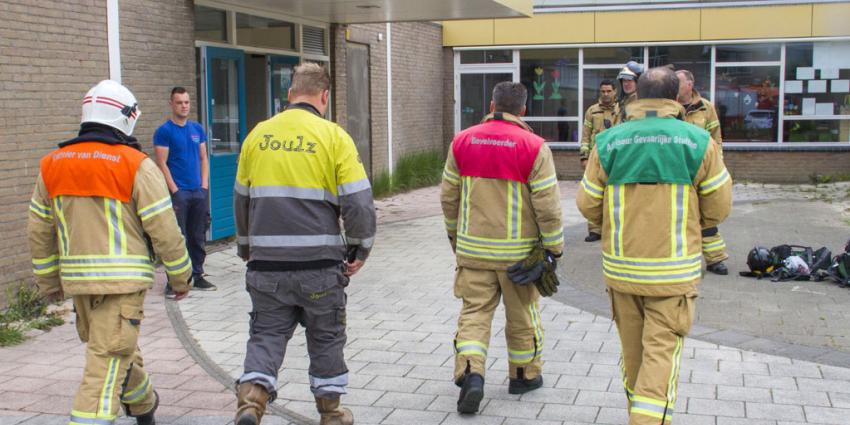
point(92, 169)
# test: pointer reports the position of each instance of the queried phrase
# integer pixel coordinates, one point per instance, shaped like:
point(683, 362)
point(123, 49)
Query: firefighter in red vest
point(501, 201)
point(99, 212)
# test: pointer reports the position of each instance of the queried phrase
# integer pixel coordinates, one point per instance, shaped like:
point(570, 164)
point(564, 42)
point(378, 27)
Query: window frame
point(781, 63)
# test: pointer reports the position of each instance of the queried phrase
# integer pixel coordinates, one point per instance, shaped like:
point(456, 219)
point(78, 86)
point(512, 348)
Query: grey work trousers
point(282, 300)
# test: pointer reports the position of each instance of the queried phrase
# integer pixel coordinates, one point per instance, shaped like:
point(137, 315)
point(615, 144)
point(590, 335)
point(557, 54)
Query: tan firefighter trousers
point(652, 331)
point(480, 291)
point(114, 374)
point(714, 249)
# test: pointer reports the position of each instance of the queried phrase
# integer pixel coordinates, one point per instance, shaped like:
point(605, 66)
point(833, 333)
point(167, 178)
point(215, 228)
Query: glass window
point(486, 56)
point(592, 79)
point(210, 24)
point(696, 59)
point(747, 52)
point(817, 84)
point(746, 100)
point(817, 131)
point(551, 77)
point(613, 55)
point(555, 131)
point(224, 102)
point(476, 91)
point(264, 32)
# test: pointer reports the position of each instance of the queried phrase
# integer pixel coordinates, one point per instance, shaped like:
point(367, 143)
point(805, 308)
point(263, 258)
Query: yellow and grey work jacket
point(598, 118)
point(500, 194)
point(92, 206)
point(650, 181)
point(701, 113)
point(298, 174)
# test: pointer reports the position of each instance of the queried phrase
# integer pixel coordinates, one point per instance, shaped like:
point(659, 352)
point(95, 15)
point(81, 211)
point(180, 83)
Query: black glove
point(533, 267)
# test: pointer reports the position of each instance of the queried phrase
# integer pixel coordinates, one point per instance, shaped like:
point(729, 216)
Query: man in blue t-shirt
point(181, 153)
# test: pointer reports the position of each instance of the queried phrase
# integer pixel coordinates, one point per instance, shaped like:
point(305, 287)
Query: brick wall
point(418, 81)
point(364, 34)
point(157, 53)
point(51, 53)
point(417, 66)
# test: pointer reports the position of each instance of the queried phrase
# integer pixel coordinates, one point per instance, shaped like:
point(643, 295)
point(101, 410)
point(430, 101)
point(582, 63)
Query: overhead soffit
point(366, 11)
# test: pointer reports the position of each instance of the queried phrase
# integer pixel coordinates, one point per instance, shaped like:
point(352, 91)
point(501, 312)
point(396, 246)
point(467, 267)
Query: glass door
point(281, 69)
point(476, 91)
point(225, 114)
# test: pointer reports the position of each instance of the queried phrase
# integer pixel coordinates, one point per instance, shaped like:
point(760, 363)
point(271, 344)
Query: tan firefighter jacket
point(500, 194)
point(701, 113)
point(621, 114)
point(597, 119)
point(650, 181)
point(92, 205)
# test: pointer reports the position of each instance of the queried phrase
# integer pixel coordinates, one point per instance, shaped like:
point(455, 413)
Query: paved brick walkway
point(401, 320)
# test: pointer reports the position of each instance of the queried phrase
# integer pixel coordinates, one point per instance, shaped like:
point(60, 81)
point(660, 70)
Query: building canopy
point(367, 11)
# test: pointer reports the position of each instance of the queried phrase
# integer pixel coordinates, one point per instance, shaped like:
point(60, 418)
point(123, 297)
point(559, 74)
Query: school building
point(408, 74)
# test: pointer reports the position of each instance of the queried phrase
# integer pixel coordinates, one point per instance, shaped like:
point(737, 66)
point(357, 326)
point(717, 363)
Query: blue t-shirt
point(184, 152)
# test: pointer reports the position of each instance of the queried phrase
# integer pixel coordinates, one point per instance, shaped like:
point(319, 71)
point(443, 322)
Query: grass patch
point(412, 172)
point(26, 311)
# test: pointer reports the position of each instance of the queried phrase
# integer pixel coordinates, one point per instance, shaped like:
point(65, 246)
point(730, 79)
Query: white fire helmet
point(109, 103)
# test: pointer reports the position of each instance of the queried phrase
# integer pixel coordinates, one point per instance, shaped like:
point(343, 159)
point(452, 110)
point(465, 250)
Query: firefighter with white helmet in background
point(627, 78)
point(99, 206)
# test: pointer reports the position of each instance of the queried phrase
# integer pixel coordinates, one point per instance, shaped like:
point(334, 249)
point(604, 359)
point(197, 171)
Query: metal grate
point(314, 40)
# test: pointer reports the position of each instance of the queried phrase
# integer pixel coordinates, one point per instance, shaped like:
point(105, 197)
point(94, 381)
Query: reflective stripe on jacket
point(298, 174)
point(500, 195)
point(92, 205)
point(651, 212)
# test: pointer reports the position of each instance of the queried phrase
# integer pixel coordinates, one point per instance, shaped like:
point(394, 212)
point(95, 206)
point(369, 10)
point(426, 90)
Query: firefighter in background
point(627, 78)
point(654, 182)
point(701, 113)
point(298, 175)
point(598, 118)
point(97, 199)
point(500, 199)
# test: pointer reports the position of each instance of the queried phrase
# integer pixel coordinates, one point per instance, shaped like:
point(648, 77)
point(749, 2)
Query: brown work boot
point(332, 414)
point(252, 399)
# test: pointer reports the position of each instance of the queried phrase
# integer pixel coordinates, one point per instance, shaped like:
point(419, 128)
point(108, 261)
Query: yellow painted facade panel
point(757, 22)
point(545, 28)
point(468, 33)
point(829, 20)
point(652, 25)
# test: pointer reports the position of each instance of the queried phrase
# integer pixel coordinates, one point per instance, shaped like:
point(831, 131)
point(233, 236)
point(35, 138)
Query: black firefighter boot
point(251, 403)
point(148, 418)
point(718, 268)
point(471, 393)
point(520, 385)
point(332, 414)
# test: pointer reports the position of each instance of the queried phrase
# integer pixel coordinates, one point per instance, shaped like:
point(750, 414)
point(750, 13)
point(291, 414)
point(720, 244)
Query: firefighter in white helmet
point(99, 212)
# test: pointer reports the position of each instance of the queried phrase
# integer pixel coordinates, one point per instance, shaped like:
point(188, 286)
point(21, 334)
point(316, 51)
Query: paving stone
point(701, 406)
point(405, 400)
point(578, 414)
point(775, 412)
point(743, 394)
point(803, 398)
point(825, 415)
point(407, 417)
point(758, 381)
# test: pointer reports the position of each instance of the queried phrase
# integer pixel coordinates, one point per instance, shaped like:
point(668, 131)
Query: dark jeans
point(192, 208)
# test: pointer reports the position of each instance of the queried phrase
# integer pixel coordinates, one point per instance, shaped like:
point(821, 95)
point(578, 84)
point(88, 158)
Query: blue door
point(225, 79)
point(281, 69)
